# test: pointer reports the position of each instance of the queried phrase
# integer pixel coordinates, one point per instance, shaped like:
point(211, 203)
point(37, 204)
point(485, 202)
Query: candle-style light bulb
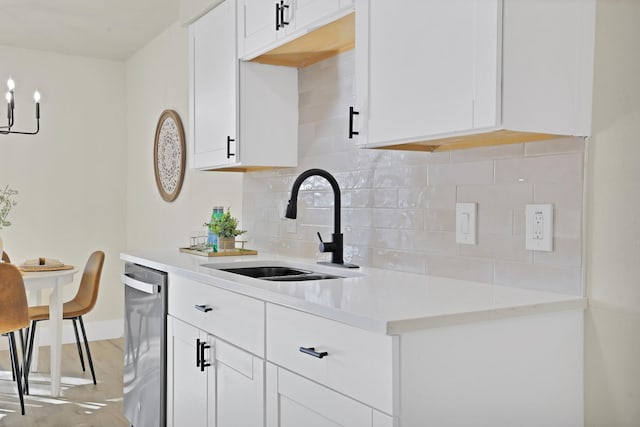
point(11, 84)
point(36, 97)
point(9, 98)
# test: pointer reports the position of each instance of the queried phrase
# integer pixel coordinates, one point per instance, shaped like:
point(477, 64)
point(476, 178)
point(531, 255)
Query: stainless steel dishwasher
point(145, 355)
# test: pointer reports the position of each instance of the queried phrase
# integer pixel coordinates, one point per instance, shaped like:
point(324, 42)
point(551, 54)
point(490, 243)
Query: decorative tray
point(230, 252)
point(33, 268)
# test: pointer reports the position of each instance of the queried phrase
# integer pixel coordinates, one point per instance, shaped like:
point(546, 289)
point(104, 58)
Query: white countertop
point(382, 301)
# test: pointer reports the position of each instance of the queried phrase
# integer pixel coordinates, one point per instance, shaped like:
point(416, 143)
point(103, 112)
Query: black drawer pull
point(282, 8)
point(203, 362)
point(203, 308)
point(352, 113)
point(198, 352)
point(311, 351)
point(229, 153)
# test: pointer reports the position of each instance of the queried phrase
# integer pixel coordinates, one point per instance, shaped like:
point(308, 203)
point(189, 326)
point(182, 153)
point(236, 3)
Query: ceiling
point(109, 29)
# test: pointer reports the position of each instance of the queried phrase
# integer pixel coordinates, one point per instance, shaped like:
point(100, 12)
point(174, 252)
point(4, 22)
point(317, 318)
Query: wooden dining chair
point(83, 302)
point(5, 258)
point(14, 316)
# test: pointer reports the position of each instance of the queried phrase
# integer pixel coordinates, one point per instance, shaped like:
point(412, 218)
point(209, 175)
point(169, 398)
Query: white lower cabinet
point(210, 382)
point(237, 361)
point(294, 401)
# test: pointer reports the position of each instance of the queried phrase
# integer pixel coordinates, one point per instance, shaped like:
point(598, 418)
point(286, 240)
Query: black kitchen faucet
point(335, 246)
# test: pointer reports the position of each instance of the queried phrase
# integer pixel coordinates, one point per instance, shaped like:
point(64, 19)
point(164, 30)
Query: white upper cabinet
point(548, 57)
point(267, 24)
point(425, 68)
point(438, 75)
point(243, 115)
point(258, 20)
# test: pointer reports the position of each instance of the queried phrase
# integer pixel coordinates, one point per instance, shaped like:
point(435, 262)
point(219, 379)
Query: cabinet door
point(258, 26)
point(293, 401)
point(187, 384)
point(239, 391)
point(548, 59)
point(425, 68)
point(307, 11)
point(213, 86)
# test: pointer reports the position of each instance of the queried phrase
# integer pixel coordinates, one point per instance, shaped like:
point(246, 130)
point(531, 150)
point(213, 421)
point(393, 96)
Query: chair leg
point(75, 329)
point(16, 368)
point(86, 346)
point(13, 374)
point(27, 364)
point(23, 345)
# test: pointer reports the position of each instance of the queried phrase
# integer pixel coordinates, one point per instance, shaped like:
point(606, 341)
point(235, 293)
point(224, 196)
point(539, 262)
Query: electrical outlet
point(539, 228)
point(466, 223)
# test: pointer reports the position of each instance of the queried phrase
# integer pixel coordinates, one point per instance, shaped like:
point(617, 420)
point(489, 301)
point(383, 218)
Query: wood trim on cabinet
point(315, 46)
point(485, 139)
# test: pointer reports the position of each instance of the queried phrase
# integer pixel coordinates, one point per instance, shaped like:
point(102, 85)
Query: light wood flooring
point(81, 403)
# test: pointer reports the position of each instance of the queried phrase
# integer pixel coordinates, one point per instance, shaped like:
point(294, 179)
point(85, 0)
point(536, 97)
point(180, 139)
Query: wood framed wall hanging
point(169, 155)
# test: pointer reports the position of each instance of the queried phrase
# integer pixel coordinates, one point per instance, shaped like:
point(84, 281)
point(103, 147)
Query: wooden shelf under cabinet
point(497, 137)
point(315, 46)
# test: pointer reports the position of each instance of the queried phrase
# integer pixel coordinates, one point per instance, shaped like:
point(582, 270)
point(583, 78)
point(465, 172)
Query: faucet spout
point(336, 246)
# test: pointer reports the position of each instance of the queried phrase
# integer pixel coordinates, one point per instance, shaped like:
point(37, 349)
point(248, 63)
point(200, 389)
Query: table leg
point(55, 319)
point(35, 298)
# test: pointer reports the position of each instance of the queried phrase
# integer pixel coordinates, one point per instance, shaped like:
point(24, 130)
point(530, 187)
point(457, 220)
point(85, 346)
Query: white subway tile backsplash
point(496, 220)
point(533, 170)
point(572, 144)
point(464, 268)
point(385, 198)
point(400, 177)
point(496, 195)
point(565, 195)
point(470, 173)
point(402, 261)
point(561, 279)
point(488, 153)
point(398, 207)
point(440, 220)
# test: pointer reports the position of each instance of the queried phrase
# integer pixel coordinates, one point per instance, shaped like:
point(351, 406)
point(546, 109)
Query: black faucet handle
point(325, 246)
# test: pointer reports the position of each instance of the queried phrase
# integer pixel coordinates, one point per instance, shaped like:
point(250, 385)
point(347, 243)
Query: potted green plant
point(6, 203)
point(226, 228)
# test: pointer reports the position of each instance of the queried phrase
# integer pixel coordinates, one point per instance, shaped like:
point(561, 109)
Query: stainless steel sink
point(276, 273)
point(266, 271)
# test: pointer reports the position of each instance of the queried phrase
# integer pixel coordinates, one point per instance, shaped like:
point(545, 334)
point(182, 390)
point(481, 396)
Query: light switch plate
point(539, 228)
point(466, 223)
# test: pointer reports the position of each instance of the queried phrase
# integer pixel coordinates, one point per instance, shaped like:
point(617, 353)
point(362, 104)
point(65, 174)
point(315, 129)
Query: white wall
point(157, 79)
point(612, 331)
point(86, 181)
point(72, 175)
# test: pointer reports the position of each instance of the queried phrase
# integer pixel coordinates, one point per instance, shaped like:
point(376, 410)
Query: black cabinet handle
point(229, 153)
point(282, 8)
point(197, 352)
point(352, 113)
point(277, 16)
point(203, 308)
point(311, 351)
point(203, 363)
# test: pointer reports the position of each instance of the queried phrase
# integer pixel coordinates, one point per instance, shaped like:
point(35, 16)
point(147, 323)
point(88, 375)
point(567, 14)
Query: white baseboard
point(96, 330)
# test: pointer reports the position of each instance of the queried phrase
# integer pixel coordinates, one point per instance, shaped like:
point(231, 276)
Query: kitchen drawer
point(359, 363)
point(230, 316)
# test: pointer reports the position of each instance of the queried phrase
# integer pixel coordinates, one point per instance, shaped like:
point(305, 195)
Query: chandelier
point(6, 130)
